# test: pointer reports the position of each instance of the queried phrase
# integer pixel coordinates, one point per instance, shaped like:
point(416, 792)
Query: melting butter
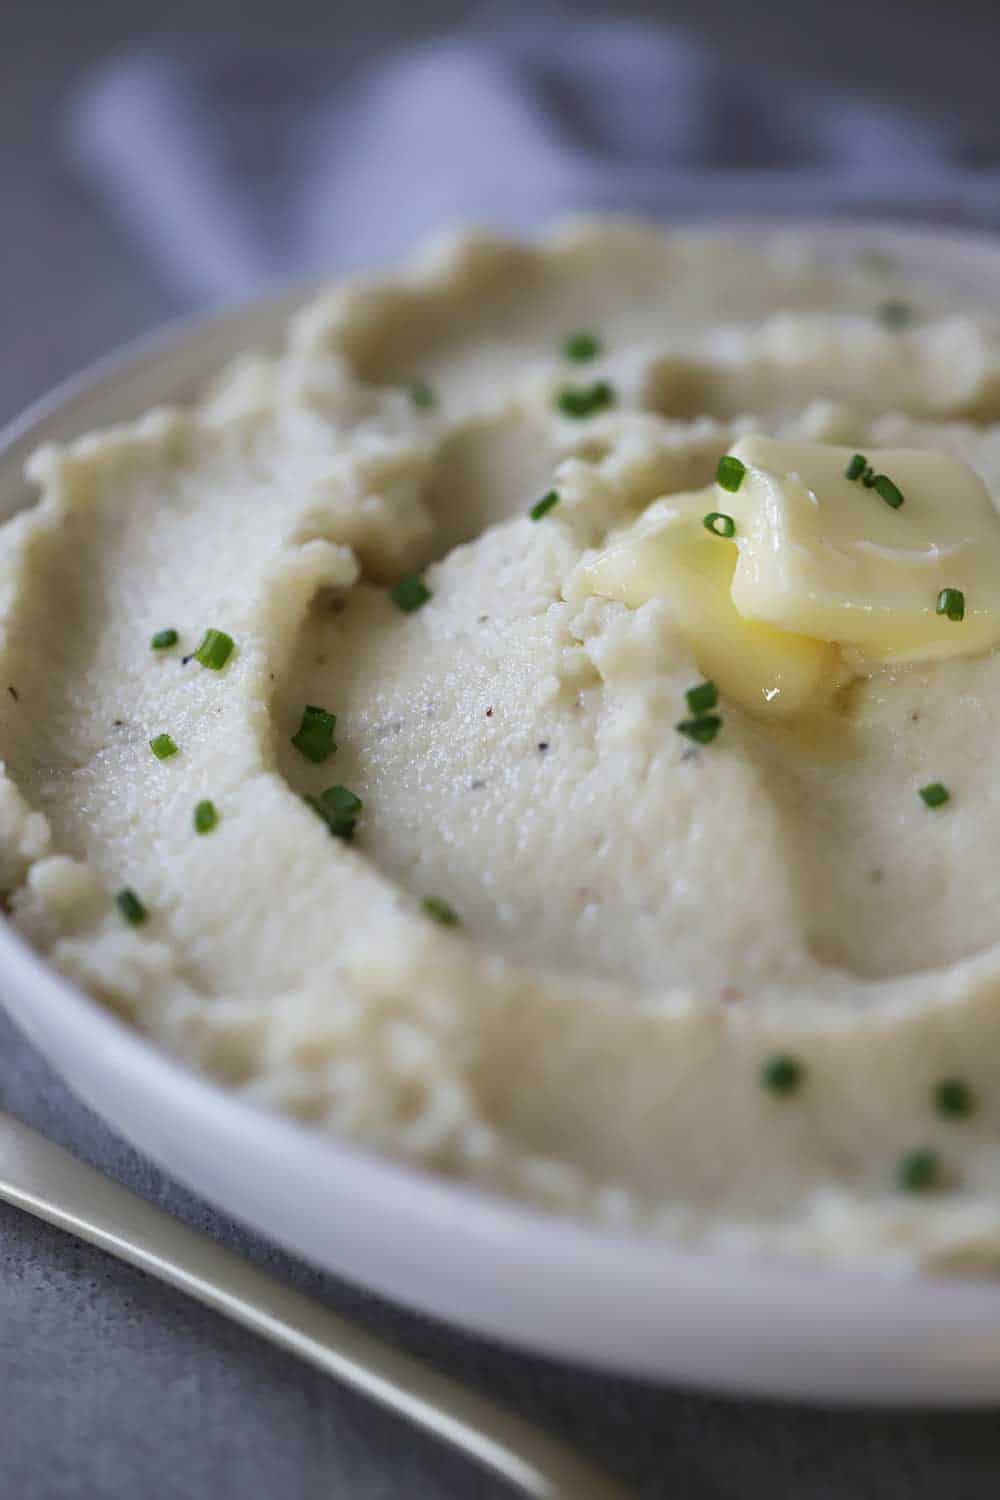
point(669, 552)
point(825, 556)
point(818, 562)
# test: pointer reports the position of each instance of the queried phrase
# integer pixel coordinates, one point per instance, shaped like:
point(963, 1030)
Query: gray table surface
point(112, 1386)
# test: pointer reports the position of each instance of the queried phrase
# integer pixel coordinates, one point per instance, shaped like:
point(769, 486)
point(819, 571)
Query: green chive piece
point(935, 794)
point(918, 1171)
point(163, 639)
point(868, 477)
point(895, 314)
point(718, 522)
point(891, 494)
point(951, 602)
point(215, 650)
point(439, 911)
point(702, 730)
point(205, 817)
point(585, 400)
point(782, 1074)
point(702, 698)
point(729, 474)
point(544, 505)
point(314, 737)
point(409, 594)
point(953, 1098)
point(856, 467)
point(582, 346)
point(163, 746)
point(131, 907)
point(421, 394)
point(339, 809)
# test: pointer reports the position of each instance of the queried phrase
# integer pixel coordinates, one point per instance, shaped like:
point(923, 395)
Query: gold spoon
point(47, 1181)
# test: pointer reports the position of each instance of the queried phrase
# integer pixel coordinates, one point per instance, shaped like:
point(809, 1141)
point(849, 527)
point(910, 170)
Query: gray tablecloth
point(113, 1387)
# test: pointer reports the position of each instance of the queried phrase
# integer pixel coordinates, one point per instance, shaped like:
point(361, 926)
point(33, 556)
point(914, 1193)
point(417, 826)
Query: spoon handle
point(45, 1180)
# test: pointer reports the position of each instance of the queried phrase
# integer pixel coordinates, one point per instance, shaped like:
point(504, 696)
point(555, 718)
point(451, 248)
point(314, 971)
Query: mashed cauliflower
point(501, 917)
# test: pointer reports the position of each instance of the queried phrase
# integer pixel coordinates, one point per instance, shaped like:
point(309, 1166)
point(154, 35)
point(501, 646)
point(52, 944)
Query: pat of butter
point(669, 553)
point(825, 556)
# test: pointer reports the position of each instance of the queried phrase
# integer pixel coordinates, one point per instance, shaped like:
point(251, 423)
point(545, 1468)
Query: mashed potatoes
point(503, 918)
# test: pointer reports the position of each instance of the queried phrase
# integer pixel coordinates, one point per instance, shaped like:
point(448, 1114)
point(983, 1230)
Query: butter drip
point(822, 578)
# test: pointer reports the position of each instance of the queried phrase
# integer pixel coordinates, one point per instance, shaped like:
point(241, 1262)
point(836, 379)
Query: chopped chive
point(164, 639)
point(781, 1074)
point(895, 314)
point(891, 494)
point(730, 472)
point(163, 746)
point(544, 505)
point(131, 907)
point(951, 602)
point(702, 729)
point(585, 400)
point(215, 650)
point(935, 794)
point(954, 1098)
point(339, 809)
point(702, 698)
point(421, 394)
point(314, 736)
point(439, 911)
point(409, 594)
point(582, 346)
point(205, 817)
point(918, 1171)
point(718, 522)
point(860, 468)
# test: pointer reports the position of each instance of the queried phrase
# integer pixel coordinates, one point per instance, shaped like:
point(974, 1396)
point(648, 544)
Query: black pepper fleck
point(543, 744)
point(12, 690)
point(489, 713)
point(186, 659)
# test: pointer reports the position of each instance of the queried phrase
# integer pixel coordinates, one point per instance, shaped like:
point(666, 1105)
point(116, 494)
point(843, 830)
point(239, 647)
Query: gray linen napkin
point(233, 167)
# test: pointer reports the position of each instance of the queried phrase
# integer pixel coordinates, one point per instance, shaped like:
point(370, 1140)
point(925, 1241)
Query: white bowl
point(753, 1326)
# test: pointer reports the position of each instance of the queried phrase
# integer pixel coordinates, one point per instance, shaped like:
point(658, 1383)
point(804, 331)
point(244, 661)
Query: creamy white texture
point(643, 921)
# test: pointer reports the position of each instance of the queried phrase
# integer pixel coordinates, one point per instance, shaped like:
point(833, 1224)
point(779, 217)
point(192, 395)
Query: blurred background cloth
point(235, 166)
